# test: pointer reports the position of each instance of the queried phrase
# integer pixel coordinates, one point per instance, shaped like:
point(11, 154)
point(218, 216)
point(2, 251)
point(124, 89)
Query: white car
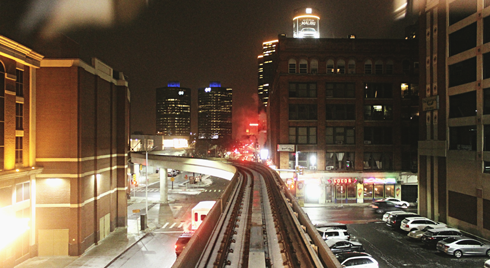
point(417, 234)
point(387, 215)
point(329, 233)
point(397, 202)
point(357, 260)
point(486, 264)
point(419, 223)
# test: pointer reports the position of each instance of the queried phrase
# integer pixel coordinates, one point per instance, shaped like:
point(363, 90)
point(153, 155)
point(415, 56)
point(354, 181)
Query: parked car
point(397, 202)
point(486, 264)
point(182, 242)
point(431, 237)
point(334, 225)
point(337, 245)
point(356, 259)
point(463, 246)
point(383, 206)
point(418, 223)
point(387, 215)
point(395, 220)
point(417, 234)
point(329, 233)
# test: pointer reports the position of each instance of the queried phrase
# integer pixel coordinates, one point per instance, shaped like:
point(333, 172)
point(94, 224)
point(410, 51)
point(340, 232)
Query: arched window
point(378, 67)
point(314, 66)
point(330, 69)
point(292, 66)
point(389, 67)
point(351, 67)
point(368, 67)
point(406, 66)
point(341, 66)
point(303, 66)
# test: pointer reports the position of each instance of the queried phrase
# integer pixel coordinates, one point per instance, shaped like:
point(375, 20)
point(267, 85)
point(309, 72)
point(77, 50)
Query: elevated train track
point(256, 223)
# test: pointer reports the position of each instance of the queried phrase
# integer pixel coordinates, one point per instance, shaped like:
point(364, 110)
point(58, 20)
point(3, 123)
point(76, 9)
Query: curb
point(124, 251)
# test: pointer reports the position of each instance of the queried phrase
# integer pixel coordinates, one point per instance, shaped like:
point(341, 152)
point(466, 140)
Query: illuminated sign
point(214, 84)
point(181, 92)
point(285, 148)
point(306, 26)
point(173, 84)
point(380, 180)
point(342, 180)
point(208, 89)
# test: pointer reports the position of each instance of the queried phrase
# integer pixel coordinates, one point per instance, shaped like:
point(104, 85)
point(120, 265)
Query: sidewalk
point(121, 239)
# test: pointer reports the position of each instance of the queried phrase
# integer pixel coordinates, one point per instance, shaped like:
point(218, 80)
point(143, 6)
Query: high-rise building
point(215, 113)
point(454, 146)
point(265, 71)
point(173, 107)
point(347, 115)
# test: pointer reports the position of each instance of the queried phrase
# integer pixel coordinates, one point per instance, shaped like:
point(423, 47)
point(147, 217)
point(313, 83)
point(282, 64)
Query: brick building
point(83, 143)
point(346, 110)
point(18, 67)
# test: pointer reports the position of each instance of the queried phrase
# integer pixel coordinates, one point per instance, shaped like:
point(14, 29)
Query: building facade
point(173, 105)
point(454, 157)
point(265, 72)
point(18, 168)
point(83, 144)
point(346, 111)
point(214, 112)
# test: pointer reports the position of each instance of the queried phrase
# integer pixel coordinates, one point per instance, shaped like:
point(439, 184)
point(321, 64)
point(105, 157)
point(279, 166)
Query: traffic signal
point(347, 164)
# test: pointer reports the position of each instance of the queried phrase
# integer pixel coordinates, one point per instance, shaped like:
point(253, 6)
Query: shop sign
point(285, 148)
point(430, 103)
point(379, 180)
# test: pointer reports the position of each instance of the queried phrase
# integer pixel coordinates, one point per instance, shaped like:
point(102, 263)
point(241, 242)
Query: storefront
point(365, 190)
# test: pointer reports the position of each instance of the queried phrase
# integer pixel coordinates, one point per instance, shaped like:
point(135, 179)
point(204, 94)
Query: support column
point(163, 186)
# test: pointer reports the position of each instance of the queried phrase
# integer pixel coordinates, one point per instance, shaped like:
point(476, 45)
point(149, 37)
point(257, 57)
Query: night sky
point(193, 42)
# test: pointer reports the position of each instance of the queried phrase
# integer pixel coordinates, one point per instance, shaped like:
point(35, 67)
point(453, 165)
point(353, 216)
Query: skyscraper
point(173, 110)
point(215, 113)
point(265, 71)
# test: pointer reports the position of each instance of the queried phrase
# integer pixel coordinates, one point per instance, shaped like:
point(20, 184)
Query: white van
point(199, 213)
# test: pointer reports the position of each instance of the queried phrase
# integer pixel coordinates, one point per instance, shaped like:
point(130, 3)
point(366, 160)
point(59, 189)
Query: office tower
point(215, 113)
point(173, 110)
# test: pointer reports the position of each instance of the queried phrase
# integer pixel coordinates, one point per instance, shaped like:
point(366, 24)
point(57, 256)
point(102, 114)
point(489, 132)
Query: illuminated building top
point(306, 23)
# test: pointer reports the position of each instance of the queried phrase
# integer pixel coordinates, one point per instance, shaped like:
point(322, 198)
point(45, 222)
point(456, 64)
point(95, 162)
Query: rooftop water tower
point(306, 23)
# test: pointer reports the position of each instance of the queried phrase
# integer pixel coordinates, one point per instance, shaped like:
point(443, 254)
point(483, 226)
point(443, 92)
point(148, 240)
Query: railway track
point(256, 223)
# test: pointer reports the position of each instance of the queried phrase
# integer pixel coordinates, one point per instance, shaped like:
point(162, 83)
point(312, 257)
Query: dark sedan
point(341, 245)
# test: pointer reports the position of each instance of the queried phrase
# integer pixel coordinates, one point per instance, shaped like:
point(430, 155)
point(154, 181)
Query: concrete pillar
point(163, 186)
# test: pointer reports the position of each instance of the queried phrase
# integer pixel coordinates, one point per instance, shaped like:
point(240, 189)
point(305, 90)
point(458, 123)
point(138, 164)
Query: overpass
point(256, 222)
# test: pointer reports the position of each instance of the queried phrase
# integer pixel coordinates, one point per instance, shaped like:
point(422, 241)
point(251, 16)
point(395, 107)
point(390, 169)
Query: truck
point(199, 213)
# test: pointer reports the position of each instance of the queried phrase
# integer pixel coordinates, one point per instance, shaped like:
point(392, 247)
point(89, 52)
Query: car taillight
point(406, 226)
point(373, 206)
point(446, 247)
point(175, 246)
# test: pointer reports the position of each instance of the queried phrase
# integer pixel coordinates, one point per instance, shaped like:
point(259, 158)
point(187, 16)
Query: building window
point(339, 161)
point(406, 67)
point(19, 83)
point(302, 112)
point(368, 67)
point(462, 105)
point(465, 71)
point(486, 137)
point(22, 191)
point(409, 90)
point(305, 159)
point(462, 40)
point(340, 135)
point(341, 66)
point(19, 116)
point(314, 66)
point(302, 135)
point(341, 111)
point(378, 135)
point(18, 150)
point(461, 9)
point(389, 67)
point(462, 138)
point(486, 101)
point(292, 66)
point(303, 66)
point(486, 65)
point(378, 112)
point(409, 161)
point(409, 135)
point(351, 67)
point(340, 90)
point(378, 67)
point(379, 161)
point(486, 28)
point(302, 90)
point(378, 90)
point(330, 68)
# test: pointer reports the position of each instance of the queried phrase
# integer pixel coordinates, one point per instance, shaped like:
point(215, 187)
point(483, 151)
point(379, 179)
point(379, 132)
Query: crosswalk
point(211, 191)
